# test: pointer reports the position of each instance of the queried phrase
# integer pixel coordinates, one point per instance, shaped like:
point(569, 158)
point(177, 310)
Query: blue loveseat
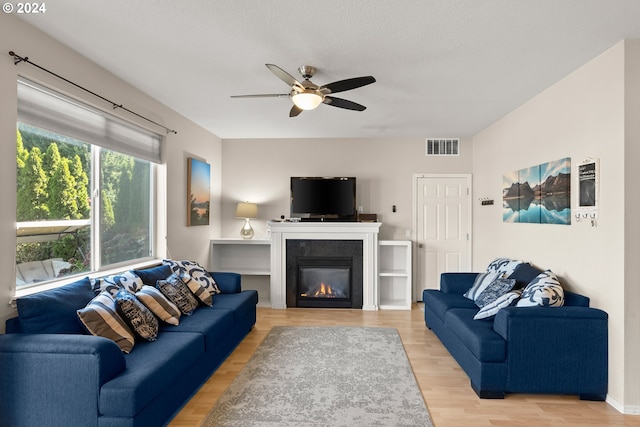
point(76, 379)
point(554, 350)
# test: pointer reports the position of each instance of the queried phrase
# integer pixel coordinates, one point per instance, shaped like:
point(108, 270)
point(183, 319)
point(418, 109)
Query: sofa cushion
point(439, 302)
point(112, 284)
point(523, 274)
point(482, 281)
point(506, 300)
point(150, 276)
point(54, 311)
point(545, 290)
point(493, 291)
point(159, 305)
point(136, 315)
point(152, 367)
point(241, 304)
point(212, 323)
point(101, 319)
point(477, 335)
point(177, 292)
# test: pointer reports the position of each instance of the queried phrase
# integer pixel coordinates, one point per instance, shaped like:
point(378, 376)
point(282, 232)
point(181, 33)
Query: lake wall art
point(539, 194)
point(198, 192)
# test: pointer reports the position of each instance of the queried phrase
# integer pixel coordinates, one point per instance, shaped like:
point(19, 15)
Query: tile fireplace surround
point(367, 232)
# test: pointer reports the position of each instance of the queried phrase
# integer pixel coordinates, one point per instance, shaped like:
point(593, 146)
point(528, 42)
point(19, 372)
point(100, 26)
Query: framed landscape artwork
point(539, 194)
point(198, 192)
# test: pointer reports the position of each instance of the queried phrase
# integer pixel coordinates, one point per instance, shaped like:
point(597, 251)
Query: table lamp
point(247, 211)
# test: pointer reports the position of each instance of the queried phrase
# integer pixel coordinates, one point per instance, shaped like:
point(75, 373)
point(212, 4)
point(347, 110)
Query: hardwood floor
point(444, 385)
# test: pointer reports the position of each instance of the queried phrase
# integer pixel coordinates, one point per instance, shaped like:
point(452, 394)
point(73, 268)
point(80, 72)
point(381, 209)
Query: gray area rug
point(324, 376)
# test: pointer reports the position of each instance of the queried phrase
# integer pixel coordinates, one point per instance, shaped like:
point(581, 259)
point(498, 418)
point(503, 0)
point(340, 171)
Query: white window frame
point(151, 151)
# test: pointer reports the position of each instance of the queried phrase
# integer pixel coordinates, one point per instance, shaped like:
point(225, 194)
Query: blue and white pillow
point(506, 266)
point(480, 284)
point(201, 284)
point(128, 280)
point(496, 289)
point(545, 290)
point(501, 302)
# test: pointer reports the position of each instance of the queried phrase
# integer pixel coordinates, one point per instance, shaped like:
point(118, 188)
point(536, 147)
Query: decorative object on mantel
point(318, 377)
point(539, 194)
point(247, 211)
point(588, 191)
point(198, 192)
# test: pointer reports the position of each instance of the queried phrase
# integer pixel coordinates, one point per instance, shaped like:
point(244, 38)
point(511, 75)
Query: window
point(85, 186)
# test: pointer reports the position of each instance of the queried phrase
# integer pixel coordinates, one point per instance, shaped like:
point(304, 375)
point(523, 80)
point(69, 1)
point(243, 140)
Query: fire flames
point(322, 291)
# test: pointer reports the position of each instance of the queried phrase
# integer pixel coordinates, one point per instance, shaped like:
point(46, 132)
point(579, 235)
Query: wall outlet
point(407, 232)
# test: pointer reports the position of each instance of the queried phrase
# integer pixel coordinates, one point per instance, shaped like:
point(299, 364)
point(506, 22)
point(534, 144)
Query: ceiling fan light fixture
point(307, 100)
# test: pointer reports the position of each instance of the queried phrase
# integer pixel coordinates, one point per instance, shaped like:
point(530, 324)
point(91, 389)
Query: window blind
point(53, 111)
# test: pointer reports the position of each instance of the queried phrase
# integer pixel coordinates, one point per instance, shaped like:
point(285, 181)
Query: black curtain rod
point(18, 59)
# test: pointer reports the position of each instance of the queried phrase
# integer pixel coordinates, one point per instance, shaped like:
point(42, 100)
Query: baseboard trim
point(626, 410)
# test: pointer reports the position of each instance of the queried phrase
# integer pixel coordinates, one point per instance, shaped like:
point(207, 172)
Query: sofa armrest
point(556, 349)
point(572, 321)
point(41, 374)
point(456, 283)
point(229, 283)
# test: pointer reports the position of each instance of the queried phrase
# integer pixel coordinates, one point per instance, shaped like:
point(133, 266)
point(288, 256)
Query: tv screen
point(323, 198)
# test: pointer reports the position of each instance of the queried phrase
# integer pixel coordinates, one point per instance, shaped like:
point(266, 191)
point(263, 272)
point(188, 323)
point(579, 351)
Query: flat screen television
point(323, 198)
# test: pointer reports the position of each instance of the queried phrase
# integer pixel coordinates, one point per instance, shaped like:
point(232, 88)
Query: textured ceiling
point(444, 68)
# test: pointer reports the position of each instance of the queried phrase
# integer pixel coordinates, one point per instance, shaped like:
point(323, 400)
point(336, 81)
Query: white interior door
point(442, 228)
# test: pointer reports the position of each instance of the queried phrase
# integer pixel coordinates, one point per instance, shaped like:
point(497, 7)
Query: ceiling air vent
point(443, 146)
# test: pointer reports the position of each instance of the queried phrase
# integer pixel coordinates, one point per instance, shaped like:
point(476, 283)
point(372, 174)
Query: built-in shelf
point(395, 274)
point(250, 257)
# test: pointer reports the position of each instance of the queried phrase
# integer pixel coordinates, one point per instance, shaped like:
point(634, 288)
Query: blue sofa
point(555, 350)
point(66, 379)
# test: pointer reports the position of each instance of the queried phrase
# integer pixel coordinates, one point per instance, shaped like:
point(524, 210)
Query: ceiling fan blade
point(264, 95)
point(343, 103)
point(348, 84)
point(295, 111)
point(284, 76)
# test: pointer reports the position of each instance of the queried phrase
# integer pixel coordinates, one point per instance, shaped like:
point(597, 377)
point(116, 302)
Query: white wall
point(191, 141)
point(259, 170)
point(581, 116)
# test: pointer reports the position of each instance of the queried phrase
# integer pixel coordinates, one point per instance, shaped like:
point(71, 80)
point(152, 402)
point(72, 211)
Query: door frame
point(414, 230)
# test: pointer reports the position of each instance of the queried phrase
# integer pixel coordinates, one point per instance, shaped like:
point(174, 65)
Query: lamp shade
point(246, 210)
point(307, 100)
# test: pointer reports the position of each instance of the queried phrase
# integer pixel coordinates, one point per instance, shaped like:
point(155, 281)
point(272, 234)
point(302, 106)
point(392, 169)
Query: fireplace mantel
point(367, 232)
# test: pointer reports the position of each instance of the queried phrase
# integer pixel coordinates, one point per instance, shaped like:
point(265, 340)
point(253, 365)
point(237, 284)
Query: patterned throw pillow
point(506, 266)
point(501, 302)
point(203, 295)
point(128, 280)
point(545, 290)
point(101, 319)
point(159, 305)
point(482, 281)
point(199, 275)
point(178, 293)
point(136, 315)
point(496, 289)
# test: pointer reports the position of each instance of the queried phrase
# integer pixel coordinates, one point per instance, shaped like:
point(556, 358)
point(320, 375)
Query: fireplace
point(324, 273)
point(323, 282)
